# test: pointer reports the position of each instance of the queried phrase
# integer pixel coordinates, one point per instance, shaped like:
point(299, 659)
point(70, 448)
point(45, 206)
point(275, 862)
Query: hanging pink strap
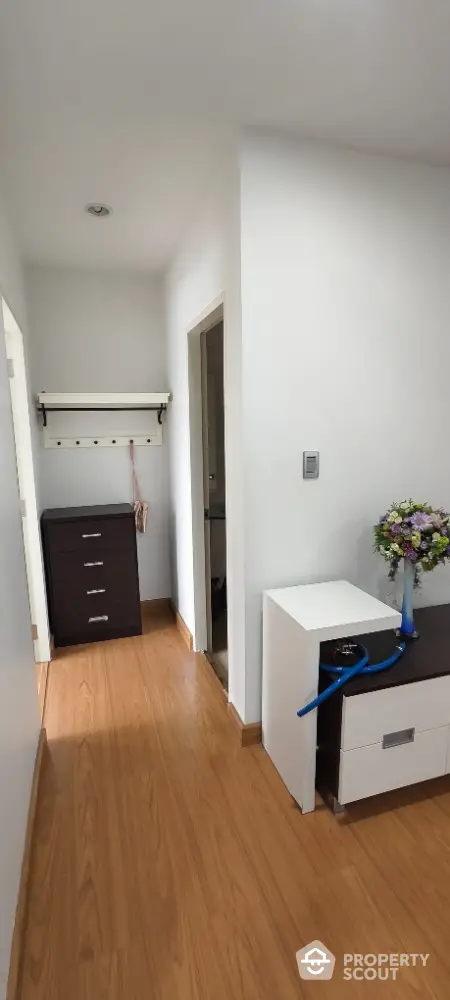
point(136, 489)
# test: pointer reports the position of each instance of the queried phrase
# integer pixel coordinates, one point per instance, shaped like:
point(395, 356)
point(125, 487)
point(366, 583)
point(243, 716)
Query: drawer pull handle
point(94, 534)
point(101, 590)
point(99, 618)
point(399, 738)
point(93, 564)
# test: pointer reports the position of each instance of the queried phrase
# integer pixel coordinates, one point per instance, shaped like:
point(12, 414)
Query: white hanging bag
point(139, 505)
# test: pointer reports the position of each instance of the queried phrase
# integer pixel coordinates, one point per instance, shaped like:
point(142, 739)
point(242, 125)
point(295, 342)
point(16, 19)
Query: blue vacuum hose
point(346, 674)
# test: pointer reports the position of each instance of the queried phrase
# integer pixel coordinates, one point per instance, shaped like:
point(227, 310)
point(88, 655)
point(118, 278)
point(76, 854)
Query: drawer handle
point(94, 534)
point(99, 618)
point(399, 738)
point(101, 590)
point(99, 563)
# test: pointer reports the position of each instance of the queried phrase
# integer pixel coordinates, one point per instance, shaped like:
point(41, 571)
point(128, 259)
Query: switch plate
point(310, 465)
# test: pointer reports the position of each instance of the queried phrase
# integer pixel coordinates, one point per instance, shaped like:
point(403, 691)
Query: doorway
point(27, 495)
point(213, 445)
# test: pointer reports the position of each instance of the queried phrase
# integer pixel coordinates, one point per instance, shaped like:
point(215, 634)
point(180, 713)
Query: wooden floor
point(170, 864)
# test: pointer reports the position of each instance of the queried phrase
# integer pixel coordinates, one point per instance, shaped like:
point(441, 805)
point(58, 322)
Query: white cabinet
point(380, 732)
point(295, 621)
point(393, 737)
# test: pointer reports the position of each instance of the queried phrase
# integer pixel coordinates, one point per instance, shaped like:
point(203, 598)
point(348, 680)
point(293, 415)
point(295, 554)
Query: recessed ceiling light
point(98, 211)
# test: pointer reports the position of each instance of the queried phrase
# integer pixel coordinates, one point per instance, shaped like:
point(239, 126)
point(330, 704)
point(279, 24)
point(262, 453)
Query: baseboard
point(156, 606)
point(250, 733)
point(181, 625)
point(15, 965)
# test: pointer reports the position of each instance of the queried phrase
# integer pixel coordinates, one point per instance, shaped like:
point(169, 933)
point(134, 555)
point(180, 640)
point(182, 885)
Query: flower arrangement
point(415, 532)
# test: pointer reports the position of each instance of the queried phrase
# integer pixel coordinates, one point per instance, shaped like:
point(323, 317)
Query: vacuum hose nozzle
point(346, 674)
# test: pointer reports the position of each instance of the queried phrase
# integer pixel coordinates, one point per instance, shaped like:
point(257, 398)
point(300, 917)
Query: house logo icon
point(315, 961)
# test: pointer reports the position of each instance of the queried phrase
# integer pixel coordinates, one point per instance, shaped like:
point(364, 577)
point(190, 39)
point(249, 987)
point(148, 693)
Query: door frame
point(20, 408)
point(205, 468)
point(210, 317)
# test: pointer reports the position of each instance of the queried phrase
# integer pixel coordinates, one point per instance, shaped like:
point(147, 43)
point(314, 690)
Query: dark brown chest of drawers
point(92, 573)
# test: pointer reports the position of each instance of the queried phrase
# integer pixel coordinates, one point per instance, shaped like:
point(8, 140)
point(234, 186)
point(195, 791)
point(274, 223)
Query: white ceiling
point(132, 103)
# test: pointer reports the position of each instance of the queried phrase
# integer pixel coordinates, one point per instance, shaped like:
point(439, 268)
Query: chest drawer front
point(372, 769)
point(89, 537)
point(106, 611)
point(367, 718)
point(76, 573)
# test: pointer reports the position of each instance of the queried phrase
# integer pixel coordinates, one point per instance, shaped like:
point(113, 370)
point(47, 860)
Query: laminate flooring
point(169, 864)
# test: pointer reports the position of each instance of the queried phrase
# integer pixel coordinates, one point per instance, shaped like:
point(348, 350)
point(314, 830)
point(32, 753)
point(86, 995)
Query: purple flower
point(424, 546)
point(410, 553)
point(421, 521)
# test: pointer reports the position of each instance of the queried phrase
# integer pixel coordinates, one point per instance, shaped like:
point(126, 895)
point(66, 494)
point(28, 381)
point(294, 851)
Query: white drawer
point(366, 718)
point(371, 770)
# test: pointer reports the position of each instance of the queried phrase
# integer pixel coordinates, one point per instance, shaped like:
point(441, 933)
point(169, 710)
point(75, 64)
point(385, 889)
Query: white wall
point(206, 270)
point(99, 331)
point(346, 349)
point(196, 279)
point(19, 717)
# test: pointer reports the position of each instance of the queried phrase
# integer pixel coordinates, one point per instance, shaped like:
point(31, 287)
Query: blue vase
point(407, 627)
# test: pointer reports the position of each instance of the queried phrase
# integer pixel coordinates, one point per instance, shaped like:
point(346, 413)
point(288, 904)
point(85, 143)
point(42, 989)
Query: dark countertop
point(423, 659)
point(74, 513)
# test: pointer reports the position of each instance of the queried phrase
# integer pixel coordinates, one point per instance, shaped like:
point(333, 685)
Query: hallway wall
point(334, 269)
point(19, 716)
point(103, 331)
point(346, 349)
point(207, 268)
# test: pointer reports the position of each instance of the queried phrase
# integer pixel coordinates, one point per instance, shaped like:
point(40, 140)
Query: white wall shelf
point(76, 402)
point(56, 401)
point(115, 400)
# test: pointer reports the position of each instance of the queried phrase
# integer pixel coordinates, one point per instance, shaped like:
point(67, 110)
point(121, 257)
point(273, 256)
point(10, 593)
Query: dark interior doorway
point(214, 493)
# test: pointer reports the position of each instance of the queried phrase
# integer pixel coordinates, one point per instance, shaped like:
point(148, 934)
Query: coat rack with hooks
point(102, 402)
